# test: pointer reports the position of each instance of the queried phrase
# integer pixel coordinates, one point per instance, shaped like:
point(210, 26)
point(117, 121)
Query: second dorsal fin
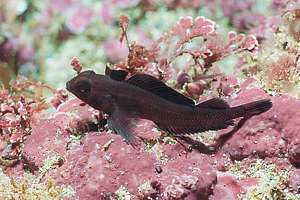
point(214, 103)
point(159, 88)
point(118, 75)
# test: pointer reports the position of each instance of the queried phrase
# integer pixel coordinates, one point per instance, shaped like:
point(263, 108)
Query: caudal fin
point(253, 108)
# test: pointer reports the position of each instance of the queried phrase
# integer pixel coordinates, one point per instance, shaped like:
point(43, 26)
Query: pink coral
point(279, 4)
point(242, 14)
point(182, 25)
point(114, 54)
point(104, 161)
point(294, 152)
point(4, 94)
point(187, 28)
point(125, 3)
point(25, 54)
point(80, 19)
point(59, 5)
point(166, 180)
point(242, 42)
point(15, 125)
point(105, 13)
point(231, 7)
point(60, 96)
point(250, 43)
point(181, 187)
point(96, 163)
point(280, 72)
point(76, 65)
point(202, 27)
point(227, 188)
point(8, 48)
point(195, 89)
point(265, 139)
point(294, 181)
point(183, 78)
point(173, 4)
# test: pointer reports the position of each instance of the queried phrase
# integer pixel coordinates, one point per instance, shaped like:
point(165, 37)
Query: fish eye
point(83, 87)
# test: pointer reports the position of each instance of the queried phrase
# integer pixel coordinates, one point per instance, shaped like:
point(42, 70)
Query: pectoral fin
point(119, 122)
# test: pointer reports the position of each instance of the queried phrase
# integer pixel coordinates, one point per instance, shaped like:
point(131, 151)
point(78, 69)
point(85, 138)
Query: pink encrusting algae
point(61, 148)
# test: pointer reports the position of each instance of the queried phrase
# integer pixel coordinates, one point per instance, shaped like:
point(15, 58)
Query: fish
point(143, 96)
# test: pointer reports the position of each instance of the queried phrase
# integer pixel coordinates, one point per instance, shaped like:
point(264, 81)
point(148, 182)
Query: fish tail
point(250, 109)
point(220, 116)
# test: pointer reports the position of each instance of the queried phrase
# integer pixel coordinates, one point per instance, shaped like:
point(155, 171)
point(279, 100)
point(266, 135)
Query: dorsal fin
point(214, 103)
point(159, 88)
point(118, 75)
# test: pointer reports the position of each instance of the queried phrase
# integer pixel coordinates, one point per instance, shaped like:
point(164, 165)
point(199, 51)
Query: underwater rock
point(45, 141)
point(98, 163)
point(269, 134)
point(227, 188)
point(50, 135)
point(294, 153)
point(95, 171)
point(101, 164)
point(294, 180)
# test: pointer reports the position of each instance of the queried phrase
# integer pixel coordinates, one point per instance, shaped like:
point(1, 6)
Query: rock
point(294, 180)
point(268, 134)
point(102, 162)
point(97, 164)
point(294, 153)
point(229, 188)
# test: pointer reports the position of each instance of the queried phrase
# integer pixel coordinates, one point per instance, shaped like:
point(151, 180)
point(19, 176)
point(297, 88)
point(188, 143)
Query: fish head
point(81, 85)
point(92, 89)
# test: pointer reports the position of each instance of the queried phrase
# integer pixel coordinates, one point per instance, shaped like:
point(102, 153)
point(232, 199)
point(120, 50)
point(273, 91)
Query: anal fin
point(184, 130)
point(175, 130)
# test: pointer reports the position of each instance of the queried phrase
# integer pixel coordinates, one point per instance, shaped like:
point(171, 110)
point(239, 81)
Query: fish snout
point(68, 85)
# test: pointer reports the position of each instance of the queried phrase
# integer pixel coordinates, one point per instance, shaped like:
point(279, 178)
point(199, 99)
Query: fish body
point(145, 97)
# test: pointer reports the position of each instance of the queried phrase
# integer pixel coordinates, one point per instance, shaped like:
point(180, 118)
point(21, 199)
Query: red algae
point(70, 143)
point(99, 171)
point(294, 182)
point(99, 163)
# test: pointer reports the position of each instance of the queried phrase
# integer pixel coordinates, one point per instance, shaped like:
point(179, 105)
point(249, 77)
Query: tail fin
point(250, 109)
point(217, 115)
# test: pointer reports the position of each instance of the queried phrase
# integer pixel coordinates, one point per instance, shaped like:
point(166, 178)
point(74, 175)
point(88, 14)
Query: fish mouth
point(68, 86)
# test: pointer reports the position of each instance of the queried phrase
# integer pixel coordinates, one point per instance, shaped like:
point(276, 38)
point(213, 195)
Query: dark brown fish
point(145, 97)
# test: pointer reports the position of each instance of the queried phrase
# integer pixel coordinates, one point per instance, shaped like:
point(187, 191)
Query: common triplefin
point(144, 97)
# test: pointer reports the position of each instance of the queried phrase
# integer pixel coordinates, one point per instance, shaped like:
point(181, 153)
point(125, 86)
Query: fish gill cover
point(54, 146)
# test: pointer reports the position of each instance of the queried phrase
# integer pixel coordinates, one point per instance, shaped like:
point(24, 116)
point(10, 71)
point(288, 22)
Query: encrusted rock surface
point(97, 164)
